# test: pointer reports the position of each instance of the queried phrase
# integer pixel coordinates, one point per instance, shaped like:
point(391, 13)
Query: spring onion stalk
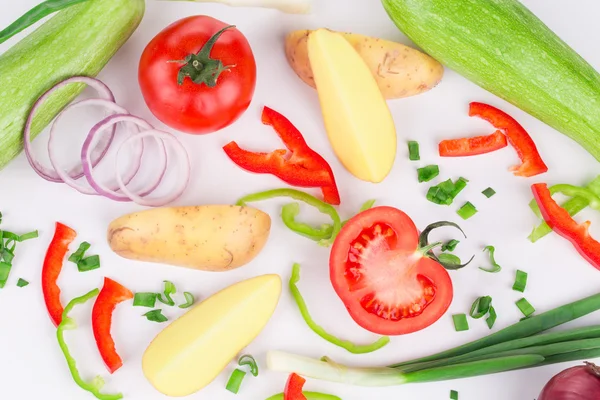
point(309, 396)
point(523, 329)
point(79, 253)
point(413, 151)
point(249, 361)
point(189, 300)
point(526, 308)
point(156, 316)
point(235, 381)
point(286, 6)
point(520, 281)
point(489, 192)
point(330, 371)
point(345, 344)
point(22, 282)
point(427, 173)
point(495, 266)
point(144, 299)
point(306, 198)
point(491, 319)
point(573, 207)
point(453, 395)
point(89, 263)
point(68, 323)
point(460, 322)
point(169, 290)
point(467, 211)
point(480, 307)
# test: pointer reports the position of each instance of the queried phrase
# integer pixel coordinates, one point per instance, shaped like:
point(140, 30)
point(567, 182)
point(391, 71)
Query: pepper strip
point(472, 146)
point(532, 163)
point(346, 344)
point(306, 198)
point(299, 165)
point(293, 388)
point(53, 262)
point(562, 223)
point(68, 323)
point(112, 294)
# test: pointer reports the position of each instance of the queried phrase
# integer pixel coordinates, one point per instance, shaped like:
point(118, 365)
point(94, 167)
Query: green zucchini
point(77, 41)
point(504, 48)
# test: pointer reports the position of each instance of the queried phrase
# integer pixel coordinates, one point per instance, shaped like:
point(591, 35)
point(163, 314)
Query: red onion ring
point(184, 161)
point(64, 175)
point(99, 151)
point(88, 169)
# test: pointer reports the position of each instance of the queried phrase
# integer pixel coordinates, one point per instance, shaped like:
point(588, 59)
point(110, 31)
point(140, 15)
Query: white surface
point(31, 364)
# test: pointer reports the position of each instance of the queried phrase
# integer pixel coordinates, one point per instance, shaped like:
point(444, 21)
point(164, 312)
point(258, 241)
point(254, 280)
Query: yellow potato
point(400, 71)
point(209, 238)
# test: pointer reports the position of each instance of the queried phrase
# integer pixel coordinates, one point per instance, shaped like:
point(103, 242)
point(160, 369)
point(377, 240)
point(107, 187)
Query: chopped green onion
point(453, 395)
point(413, 151)
point(22, 282)
point(79, 253)
point(248, 360)
point(309, 396)
point(525, 307)
point(438, 196)
point(351, 347)
point(235, 381)
point(451, 245)
point(481, 307)
point(189, 300)
point(144, 299)
point(520, 281)
point(489, 192)
point(460, 322)
point(495, 267)
point(467, 211)
point(4, 273)
point(88, 264)
point(0, 217)
point(459, 185)
point(28, 236)
point(156, 316)
point(449, 260)
point(445, 192)
point(169, 290)
point(491, 320)
point(427, 173)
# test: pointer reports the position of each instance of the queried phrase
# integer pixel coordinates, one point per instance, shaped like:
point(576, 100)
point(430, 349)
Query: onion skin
point(577, 383)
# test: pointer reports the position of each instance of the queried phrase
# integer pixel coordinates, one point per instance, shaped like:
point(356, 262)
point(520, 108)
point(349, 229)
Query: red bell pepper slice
point(112, 293)
point(53, 262)
point(562, 223)
point(532, 163)
point(299, 165)
point(472, 146)
point(293, 388)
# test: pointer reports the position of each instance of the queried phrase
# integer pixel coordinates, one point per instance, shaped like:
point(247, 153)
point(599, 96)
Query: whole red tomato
point(198, 75)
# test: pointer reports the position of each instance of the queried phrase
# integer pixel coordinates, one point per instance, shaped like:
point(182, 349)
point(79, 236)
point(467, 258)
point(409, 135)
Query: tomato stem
point(200, 68)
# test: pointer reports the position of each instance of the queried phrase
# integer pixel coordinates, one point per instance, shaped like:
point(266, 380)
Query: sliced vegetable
point(351, 347)
point(309, 396)
point(447, 260)
point(562, 223)
point(68, 44)
point(467, 211)
point(168, 291)
point(287, 6)
point(573, 207)
point(301, 229)
point(293, 388)
point(156, 316)
point(53, 262)
point(235, 380)
point(79, 253)
point(495, 266)
point(428, 173)
point(460, 322)
point(8, 244)
point(453, 395)
point(450, 245)
point(388, 283)
point(22, 282)
point(481, 307)
point(110, 296)
point(489, 192)
point(525, 307)
point(68, 323)
point(299, 165)
point(520, 281)
point(88, 264)
point(444, 193)
point(193, 62)
point(473, 146)
point(145, 300)
point(413, 151)
point(249, 361)
point(189, 300)
point(491, 319)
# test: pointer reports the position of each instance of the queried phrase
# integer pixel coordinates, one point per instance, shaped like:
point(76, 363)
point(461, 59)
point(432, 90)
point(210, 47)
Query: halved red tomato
point(388, 286)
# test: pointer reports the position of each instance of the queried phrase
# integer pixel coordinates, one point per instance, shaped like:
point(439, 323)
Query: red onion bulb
point(577, 383)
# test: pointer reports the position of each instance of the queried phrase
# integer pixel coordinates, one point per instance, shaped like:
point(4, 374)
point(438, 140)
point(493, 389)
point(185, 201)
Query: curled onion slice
point(99, 151)
point(184, 162)
point(82, 188)
point(88, 169)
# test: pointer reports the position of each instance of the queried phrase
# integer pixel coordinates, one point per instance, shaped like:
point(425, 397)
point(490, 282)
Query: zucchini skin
point(79, 40)
point(503, 47)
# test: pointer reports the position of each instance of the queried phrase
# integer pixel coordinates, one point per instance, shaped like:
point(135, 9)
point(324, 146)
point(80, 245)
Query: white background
point(31, 364)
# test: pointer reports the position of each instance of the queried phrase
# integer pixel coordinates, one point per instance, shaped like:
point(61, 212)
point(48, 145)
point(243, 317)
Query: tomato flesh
point(387, 286)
